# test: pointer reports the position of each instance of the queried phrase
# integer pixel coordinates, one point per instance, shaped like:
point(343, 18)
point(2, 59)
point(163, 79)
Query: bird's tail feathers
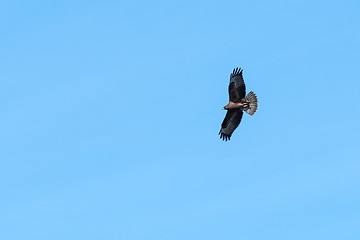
point(253, 103)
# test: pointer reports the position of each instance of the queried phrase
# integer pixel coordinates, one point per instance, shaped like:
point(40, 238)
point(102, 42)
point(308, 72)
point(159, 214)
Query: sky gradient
point(111, 110)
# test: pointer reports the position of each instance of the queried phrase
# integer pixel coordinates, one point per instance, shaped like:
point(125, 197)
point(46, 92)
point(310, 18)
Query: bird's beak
point(223, 108)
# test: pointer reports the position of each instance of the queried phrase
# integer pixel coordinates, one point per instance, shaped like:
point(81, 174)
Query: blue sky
point(111, 110)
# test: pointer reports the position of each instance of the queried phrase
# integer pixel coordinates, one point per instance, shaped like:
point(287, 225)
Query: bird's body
point(238, 102)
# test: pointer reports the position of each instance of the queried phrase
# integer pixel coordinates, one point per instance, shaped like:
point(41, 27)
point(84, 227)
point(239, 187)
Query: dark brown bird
point(238, 103)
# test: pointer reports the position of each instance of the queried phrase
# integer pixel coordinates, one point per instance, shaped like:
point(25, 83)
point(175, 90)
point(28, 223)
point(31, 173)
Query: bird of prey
point(238, 103)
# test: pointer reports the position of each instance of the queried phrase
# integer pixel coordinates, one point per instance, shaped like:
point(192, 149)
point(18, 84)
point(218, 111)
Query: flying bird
point(238, 103)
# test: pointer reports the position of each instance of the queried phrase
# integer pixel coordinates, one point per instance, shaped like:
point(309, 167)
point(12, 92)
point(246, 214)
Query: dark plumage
point(238, 103)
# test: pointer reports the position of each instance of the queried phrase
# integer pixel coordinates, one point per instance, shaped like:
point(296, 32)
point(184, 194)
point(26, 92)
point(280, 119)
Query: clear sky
point(110, 112)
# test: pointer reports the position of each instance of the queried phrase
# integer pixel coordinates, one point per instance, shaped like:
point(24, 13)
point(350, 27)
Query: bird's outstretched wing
point(230, 123)
point(237, 88)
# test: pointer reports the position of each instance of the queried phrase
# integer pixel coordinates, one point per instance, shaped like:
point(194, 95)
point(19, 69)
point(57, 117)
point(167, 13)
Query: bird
point(238, 103)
